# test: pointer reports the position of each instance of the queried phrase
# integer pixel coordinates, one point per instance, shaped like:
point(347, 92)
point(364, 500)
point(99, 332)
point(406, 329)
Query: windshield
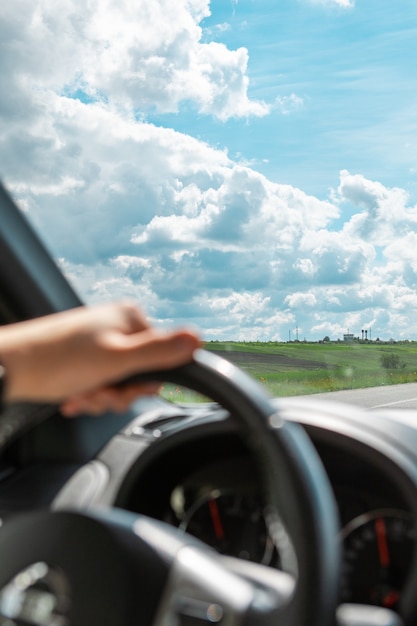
point(244, 166)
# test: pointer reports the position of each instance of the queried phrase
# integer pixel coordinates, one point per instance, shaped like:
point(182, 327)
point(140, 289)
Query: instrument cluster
point(215, 496)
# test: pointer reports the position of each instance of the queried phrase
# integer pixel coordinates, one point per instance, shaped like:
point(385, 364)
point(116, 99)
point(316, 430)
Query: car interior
point(241, 509)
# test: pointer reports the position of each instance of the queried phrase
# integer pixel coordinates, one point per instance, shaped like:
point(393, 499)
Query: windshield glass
point(245, 166)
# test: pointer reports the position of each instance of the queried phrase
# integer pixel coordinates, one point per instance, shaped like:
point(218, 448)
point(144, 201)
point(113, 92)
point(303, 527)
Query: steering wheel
point(114, 568)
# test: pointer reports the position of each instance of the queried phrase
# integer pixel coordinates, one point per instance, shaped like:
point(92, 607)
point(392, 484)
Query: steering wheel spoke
point(203, 587)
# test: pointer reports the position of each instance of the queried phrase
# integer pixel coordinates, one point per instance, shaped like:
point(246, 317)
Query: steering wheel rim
point(295, 484)
point(287, 459)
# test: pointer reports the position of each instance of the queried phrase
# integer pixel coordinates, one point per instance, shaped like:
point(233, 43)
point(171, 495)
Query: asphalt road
point(392, 396)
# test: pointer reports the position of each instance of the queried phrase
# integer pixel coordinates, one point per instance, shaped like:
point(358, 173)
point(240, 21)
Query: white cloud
point(384, 212)
point(137, 210)
point(296, 300)
point(288, 104)
point(144, 55)
point(153, 214)
point(344, 4)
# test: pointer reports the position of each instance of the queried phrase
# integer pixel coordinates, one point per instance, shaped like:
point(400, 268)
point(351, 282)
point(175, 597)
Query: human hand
point(75, 357)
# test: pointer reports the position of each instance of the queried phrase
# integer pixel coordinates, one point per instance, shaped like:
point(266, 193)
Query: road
point(391, 396)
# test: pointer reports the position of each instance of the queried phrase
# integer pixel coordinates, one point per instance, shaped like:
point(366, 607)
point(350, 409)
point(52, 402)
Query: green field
point(298, 368)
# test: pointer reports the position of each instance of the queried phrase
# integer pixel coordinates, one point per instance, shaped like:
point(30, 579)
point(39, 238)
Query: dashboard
point(213, 494)
point(189, 466)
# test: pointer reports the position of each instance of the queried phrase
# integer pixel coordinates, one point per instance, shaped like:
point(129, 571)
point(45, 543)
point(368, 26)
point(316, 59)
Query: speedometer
point(232, 523)
point(378, 548)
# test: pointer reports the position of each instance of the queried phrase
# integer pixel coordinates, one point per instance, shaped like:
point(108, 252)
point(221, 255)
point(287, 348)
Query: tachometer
point(378, 548)
point(232, 523)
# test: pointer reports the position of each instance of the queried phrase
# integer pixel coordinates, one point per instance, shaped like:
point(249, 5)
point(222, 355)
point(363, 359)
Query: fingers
point(147, 350)
point(153, 350)
point(131, 317)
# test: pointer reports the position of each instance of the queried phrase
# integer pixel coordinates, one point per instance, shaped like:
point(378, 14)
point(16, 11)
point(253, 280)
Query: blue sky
point(352, 71)
point(248, 167)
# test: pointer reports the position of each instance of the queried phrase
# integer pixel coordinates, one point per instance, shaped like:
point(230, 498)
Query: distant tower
point(366, 335)
point(362, 334)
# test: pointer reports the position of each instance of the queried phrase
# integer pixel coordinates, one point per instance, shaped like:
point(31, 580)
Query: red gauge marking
point(390, 599)
point(381, 536)
point(215, 518)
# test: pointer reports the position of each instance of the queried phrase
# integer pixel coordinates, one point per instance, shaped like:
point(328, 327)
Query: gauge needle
point(390, 600)
point(215, 518)
point(382, 542)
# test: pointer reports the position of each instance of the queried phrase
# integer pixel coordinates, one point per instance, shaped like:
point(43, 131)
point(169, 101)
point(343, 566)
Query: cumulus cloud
point(385, 213)
point(132, 209)
point(146, 56)
point(149, 213)
point(296, 300)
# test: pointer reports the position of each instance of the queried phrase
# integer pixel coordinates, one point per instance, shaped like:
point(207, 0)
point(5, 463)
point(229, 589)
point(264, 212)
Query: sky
point(247, 167)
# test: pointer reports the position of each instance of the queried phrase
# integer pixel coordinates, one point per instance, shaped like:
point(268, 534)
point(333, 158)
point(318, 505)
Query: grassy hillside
point(301, 368)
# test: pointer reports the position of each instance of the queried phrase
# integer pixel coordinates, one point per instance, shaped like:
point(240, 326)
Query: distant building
point(348, 337)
